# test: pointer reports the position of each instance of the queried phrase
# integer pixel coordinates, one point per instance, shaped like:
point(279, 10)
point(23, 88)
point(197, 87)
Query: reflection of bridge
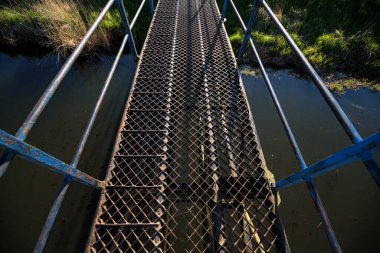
point(187, 172)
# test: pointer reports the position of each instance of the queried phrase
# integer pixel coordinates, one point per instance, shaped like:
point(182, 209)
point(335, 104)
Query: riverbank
point(338, 82)
point(337, 37)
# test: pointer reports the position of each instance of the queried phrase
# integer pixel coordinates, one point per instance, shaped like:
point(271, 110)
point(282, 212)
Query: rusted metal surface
point(187, 173)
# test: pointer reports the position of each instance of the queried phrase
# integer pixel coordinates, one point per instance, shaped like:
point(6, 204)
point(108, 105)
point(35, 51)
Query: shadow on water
point(350, 196)
point(28, 191)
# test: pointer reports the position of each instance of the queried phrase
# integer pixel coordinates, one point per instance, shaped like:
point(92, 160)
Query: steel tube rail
point(151, 5)
point(338, 159)
point(41, 242)
point(309, 182)
point(137, 14)
point(131, 42)
point(62, 192)
point(340, 114)
point(63, 189)
point(331, 101)
point(29, 122)
point(312, 189)
point(247, 30)
point(38, 156)
point(224, 10)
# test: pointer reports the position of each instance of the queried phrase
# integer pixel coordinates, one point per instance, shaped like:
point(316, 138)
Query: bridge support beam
point(224, 10)
point(247, 32)
point(131, 42)
point(338, 159)
point(11, 143)
point(151, 6)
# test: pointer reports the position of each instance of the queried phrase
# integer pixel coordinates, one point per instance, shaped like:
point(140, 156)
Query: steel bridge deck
point(187, 173)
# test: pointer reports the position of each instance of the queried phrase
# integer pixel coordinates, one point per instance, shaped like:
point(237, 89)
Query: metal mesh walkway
point(187, 173)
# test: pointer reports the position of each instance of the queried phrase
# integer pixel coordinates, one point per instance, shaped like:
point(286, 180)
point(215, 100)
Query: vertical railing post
point(151, 6)
point(247, 32)
point(224, 10)
point(128, 31)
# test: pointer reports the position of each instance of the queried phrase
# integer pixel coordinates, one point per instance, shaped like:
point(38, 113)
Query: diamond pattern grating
point(187, 173)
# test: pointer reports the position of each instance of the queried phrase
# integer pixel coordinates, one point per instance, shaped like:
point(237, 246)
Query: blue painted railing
point(361, 148)
point(16, 145)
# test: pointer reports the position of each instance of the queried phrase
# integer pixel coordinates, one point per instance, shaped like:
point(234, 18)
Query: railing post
point(224, 10)
point(247, 32)
point(151, 5)
point(128, 31)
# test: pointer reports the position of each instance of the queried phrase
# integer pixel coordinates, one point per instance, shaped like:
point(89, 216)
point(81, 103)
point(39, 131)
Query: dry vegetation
point(59, 24)
point(64, 26)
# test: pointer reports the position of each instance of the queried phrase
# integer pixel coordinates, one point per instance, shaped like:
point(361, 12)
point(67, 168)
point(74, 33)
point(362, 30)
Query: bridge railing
point(16, 145)
point(359, 150)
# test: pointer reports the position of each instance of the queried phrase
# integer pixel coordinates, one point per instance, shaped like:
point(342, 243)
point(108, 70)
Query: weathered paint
point(332, 162)
point(11, 143)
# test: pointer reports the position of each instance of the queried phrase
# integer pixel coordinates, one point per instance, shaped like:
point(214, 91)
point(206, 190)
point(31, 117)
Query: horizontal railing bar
point(38, 156)
point(29, 122)
point(340, 158)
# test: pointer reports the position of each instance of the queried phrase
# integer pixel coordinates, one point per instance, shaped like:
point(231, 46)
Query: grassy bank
point(341, 35)
point(336, 36)
point(60, 25)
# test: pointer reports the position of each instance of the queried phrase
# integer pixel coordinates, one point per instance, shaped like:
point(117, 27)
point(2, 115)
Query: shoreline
point(337, 82)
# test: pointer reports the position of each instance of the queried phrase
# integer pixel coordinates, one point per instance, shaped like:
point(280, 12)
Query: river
point(27, 191)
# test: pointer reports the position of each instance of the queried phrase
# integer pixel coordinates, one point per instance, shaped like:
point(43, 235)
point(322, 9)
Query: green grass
point(339, 35)
point(17, 16)
point(340, 86)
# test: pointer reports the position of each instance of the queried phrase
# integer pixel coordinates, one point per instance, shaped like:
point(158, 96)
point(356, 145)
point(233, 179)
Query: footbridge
point(187, 173)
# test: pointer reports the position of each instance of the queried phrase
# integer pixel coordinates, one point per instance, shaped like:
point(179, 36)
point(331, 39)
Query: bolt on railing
point(360, 149)
point(16, 145)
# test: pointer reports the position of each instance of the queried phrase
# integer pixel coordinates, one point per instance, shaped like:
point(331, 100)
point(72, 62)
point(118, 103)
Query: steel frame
point(361, 148)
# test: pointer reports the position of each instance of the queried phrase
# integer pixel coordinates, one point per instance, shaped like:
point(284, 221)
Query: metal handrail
point(360, 148)
point(15, 145)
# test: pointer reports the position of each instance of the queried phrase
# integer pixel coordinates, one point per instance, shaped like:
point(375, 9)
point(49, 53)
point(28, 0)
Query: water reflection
point(27, 191)
point(350, 196)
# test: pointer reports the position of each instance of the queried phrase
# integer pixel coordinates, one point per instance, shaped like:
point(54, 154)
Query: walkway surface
point(187, 172)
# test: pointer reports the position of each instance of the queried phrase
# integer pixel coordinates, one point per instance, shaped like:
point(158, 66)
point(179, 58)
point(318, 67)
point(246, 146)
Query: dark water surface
point(27, 191)
point(350, 196)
